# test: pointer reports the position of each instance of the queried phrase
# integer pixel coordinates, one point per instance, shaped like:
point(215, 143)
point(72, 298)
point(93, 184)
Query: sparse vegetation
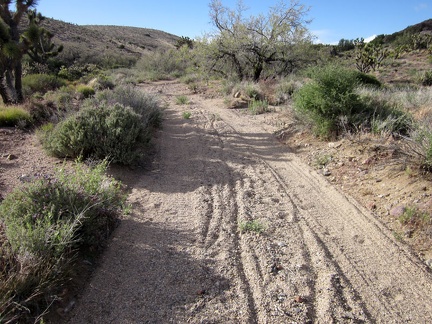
point(44, 225)
point(182, 100)
point(254, 226)
point(84, 113)
point(41, 83)
point(257, 107)
point(186, 115)
point(14, 116)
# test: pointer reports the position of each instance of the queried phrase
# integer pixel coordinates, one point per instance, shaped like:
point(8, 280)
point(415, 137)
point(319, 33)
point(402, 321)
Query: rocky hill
point(110, 44)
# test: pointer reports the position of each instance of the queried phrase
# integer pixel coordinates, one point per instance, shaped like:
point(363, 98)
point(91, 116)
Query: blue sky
point(332, 20)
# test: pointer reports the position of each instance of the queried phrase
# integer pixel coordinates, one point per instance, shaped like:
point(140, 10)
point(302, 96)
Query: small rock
point(429, 263)
point(281, 244)
point(367, 161)
point(372, 206)
point(397, 211)
point(326, 172)
point(275, 268)
point(334, 145)
point(237, 94)
point(11, 157)
point(409, 233)
point(299, 299)
point(25, 178)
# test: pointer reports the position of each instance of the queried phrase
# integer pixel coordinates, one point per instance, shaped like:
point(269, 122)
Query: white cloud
point(370, 38)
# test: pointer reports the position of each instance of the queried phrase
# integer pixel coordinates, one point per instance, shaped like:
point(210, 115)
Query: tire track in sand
point(322, 258)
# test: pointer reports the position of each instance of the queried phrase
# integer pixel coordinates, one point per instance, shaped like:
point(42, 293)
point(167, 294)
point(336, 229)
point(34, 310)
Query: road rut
point(180, 257)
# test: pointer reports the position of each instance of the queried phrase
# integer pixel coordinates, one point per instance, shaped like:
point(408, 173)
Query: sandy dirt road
point(180, 258)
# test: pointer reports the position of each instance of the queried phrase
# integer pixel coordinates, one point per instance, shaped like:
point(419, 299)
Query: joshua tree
point(12, 49)
point(38, 40)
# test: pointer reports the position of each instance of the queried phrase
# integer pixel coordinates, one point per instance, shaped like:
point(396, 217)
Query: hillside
point(399, 37)
point(119, 44)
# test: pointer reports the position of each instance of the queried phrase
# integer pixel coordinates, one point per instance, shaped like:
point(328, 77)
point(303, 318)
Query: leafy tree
point(249, 45)
point(12, 48)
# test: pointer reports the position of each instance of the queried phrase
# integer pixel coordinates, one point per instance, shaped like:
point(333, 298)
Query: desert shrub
point(99, 131)
point(426, 78)
point(285, 89)
point(14, 116)
point(423, 149)
point(42, 83)
point(385, 117)
point(146, 105)
point(163, 65)
point(251, 90)
point(257, 107)
point(182, 100)
point(328, 97)
point(333, 101)
point(42, 227)
point(53, 106)
point(415, 218)
point(85, 90)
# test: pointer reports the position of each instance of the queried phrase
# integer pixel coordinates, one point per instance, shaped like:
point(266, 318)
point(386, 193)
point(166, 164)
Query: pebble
point(397, 211)
point(326, 172)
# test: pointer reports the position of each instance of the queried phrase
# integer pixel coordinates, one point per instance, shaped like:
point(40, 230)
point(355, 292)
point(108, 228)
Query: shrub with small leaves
point(104, 131)
point(85, 91)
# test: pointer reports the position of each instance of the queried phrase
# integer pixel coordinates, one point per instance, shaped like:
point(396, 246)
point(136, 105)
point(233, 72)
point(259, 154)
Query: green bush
point(328, 97)
point(42, 83)
point(147, 106)
point(332, 100)
point(85, 91)
point(14, 116)
point(42, 227)
point(105, 131)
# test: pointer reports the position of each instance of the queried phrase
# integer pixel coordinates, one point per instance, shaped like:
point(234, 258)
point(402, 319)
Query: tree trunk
point(258, 68)
point(18, 82)
point(10, 85)
point(4, 91)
